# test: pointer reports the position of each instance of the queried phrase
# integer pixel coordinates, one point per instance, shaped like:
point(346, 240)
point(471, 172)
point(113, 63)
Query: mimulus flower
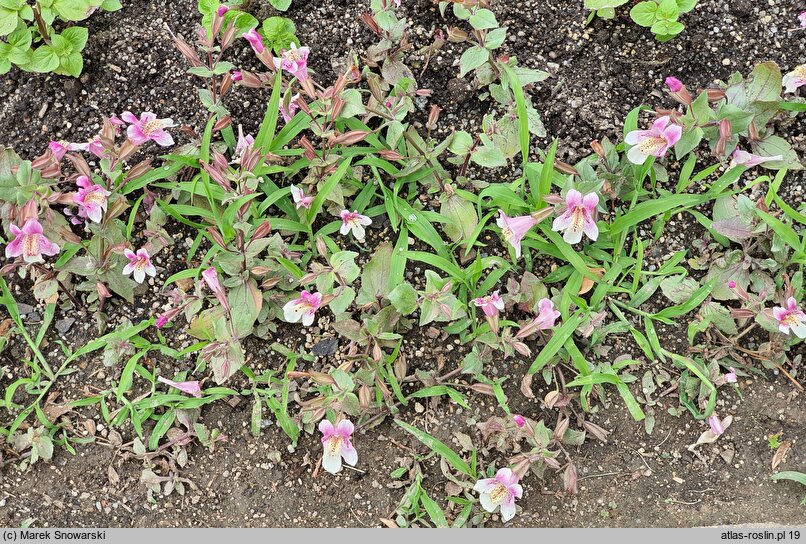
point(148, 127)
point(255, 40)
point(288, 113)
point(222, 10)
point(578, 217)
point(491, 304)
point(295, 62)
point(500, 491)
point(191, 388)
point(674, 84)
point(519, 420)
point(140, 264)
point(337, 446)
point(546, 318)
point(299, 197)
point(790, 318)
point(91, 199)
point(30, 242)
point(802, 19)
point(678, 90)
point(354, 221)
point(730, 377)
point(653, 142)
point(303, 308)
point(237, 75)
point(211, 280)
point(716, 425)
point(514, 229)
point(749, 160)
point(60, 148)
point(795, 79)
point(244, 144)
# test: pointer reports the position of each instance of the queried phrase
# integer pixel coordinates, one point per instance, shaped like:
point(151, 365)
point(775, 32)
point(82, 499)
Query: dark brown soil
point(600, 73)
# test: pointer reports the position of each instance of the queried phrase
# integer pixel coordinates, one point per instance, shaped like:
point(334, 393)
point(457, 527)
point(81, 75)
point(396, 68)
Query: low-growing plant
point(662, 16)
point(29, 40)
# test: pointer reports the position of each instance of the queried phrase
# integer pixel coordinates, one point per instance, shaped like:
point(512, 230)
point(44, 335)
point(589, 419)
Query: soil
point(600, 72)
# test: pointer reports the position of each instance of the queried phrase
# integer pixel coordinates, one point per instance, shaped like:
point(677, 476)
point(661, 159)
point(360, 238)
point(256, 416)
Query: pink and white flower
point(741, 157)
point(140, 264)
point(289, 112)
point(500, 491)
point(337, 446)
point(546, 318)
point(654, 142)
point(578, 217)
point(802, 19)
point(795, 79)
point(191, 387)
point(60, 148)
point(295, 62)
point(790, 318)
point(514, 229)
point(148, 127)
point(91, 199)
point(255, 40)
point(302, 308)
point(30, 242)
point(355, 222)
point(243, 145)
point(730, 377)
point(300, 200)
point(490, 304)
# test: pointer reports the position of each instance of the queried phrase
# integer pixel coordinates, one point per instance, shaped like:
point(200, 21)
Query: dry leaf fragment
point(780, 454)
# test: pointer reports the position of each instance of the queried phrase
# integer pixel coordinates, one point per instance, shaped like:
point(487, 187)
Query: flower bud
point(433, 117)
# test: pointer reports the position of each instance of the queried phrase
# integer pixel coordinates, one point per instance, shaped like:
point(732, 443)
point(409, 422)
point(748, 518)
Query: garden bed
point(599, 73)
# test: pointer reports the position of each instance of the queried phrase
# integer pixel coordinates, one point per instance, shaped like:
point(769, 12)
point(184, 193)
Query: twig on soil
point(588, 476)
point(664, 440)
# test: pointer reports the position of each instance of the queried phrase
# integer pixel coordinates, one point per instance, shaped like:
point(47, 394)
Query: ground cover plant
point(297, 267)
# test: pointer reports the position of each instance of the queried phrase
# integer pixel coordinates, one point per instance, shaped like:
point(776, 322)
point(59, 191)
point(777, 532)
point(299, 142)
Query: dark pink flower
point(148, 127)
point(519, 420)
point(222, 10)
point(211, 280)
point(674, 84)
point(255, 40)
point(30, 242)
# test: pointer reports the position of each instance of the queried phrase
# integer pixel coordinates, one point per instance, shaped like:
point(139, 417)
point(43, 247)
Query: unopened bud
point(433, 117)
point(263, 229)
point(370, 23)
point(598, 149)
point(456, 35)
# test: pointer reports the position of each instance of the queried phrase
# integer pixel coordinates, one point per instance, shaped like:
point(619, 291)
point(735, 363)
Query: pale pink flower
point(578, 217)
point(30, 242)
point(790, 318)
point(148, 127)
point(802, 19)
point(210, 277)
point(288, 113)
point(94, 146)
point(545, 319)
point(244, 144)
point(140, 264)
point(191, 388)
point(519, 420)
point(730, 377)
point(716, 425)
point(336, 444)
point(514, 229)
point(795, 79)
point(397, 3)
point(300, 200)
point(302, 308)
point(750, 160)
point(91, 199)
point(295, 62)
point(490, 304)
point(61, 147)
point(500, 491)
point(355, 222)
point(654, 142)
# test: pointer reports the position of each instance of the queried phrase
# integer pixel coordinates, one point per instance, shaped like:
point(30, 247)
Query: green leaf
point(77, 36)
point(280, 5)
point(765, 83)
point(644, 13)
point(667, 9)
point(557, 341)
point(461, 216)
point(70, 10)
point(483, 19)
point(404, 298)
point(8, 21)
point(604, 4)
point(375, 277)
point(436, 446)
point(72, 65)
point(472, 58)
point(684, 6)
point(43, 60)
